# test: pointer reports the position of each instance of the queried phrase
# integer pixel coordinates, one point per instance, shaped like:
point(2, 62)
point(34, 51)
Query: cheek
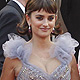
point(52, 24)
point(35, 24)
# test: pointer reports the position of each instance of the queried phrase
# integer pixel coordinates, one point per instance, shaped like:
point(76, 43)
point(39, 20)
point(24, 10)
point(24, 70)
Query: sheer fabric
point(63, 48)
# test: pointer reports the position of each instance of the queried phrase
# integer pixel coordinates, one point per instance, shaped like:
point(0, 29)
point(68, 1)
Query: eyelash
point(39, 18)
point(49, 18)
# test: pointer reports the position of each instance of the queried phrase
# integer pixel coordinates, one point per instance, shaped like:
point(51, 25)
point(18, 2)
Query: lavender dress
point(17, 47)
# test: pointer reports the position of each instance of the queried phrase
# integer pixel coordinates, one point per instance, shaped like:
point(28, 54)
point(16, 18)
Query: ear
point(28, 19)
point(56, 17)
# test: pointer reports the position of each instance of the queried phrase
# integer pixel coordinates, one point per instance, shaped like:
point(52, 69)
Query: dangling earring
point(53, 30)
point(29, 28)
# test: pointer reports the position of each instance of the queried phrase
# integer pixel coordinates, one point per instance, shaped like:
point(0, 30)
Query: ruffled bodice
point(63, 48)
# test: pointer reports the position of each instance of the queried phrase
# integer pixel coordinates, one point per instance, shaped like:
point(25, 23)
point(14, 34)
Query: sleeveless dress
point(63, 48)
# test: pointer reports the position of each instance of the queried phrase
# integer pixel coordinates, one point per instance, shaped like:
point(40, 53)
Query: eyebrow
point(40, 15)
point(43, 15)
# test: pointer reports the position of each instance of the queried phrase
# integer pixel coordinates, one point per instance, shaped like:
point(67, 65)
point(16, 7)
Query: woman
point(40, 58)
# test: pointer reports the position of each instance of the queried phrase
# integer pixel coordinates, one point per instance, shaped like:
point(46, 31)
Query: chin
point(44, 36)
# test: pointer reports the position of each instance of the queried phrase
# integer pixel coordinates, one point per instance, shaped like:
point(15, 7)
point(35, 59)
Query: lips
point(44, 29)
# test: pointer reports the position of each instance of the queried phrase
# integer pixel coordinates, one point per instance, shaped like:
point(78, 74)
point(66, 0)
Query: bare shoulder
point(73, 60)
point(74, 69)
point(73, 63)
point(12, 63)
point(11, 68)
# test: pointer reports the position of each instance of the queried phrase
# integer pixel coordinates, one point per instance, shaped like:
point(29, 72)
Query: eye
point(50, 18)
point(39, 18)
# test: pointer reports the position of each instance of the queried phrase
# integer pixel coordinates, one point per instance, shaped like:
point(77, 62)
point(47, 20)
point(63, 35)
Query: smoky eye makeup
point(50, 18)
point(39, 17)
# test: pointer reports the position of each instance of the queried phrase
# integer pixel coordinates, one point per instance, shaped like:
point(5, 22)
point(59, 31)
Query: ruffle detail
point(64, 48)
point(14, 48)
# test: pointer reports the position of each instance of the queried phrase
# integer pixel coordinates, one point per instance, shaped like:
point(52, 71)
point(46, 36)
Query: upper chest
point(34, 69)
point(48, 65)
point(31, 72)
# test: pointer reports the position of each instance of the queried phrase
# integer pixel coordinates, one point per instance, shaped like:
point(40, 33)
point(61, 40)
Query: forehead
point(42, 12)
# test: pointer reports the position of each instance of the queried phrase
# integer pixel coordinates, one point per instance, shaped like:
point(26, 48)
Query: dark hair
point(34, 5)
point(57, 30)
point(47, 5)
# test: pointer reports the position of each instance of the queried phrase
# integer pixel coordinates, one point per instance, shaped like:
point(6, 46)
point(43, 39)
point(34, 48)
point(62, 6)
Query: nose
point(45, 23)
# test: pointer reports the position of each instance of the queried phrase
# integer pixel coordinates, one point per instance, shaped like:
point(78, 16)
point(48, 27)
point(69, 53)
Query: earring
point(29, 28)
point(53, 28)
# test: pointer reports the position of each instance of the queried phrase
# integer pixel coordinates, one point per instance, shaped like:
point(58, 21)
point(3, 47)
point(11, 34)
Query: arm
point(8, 70)
point(74, 69)
point(79, 62)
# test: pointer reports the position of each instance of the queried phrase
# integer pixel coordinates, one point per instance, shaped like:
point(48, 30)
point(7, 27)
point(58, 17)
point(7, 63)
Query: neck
point(23, 2)
point(41, 46)
point(41, 43)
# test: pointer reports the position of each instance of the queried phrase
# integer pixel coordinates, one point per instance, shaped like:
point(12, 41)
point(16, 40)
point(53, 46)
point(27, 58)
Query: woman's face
point(42, 23)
